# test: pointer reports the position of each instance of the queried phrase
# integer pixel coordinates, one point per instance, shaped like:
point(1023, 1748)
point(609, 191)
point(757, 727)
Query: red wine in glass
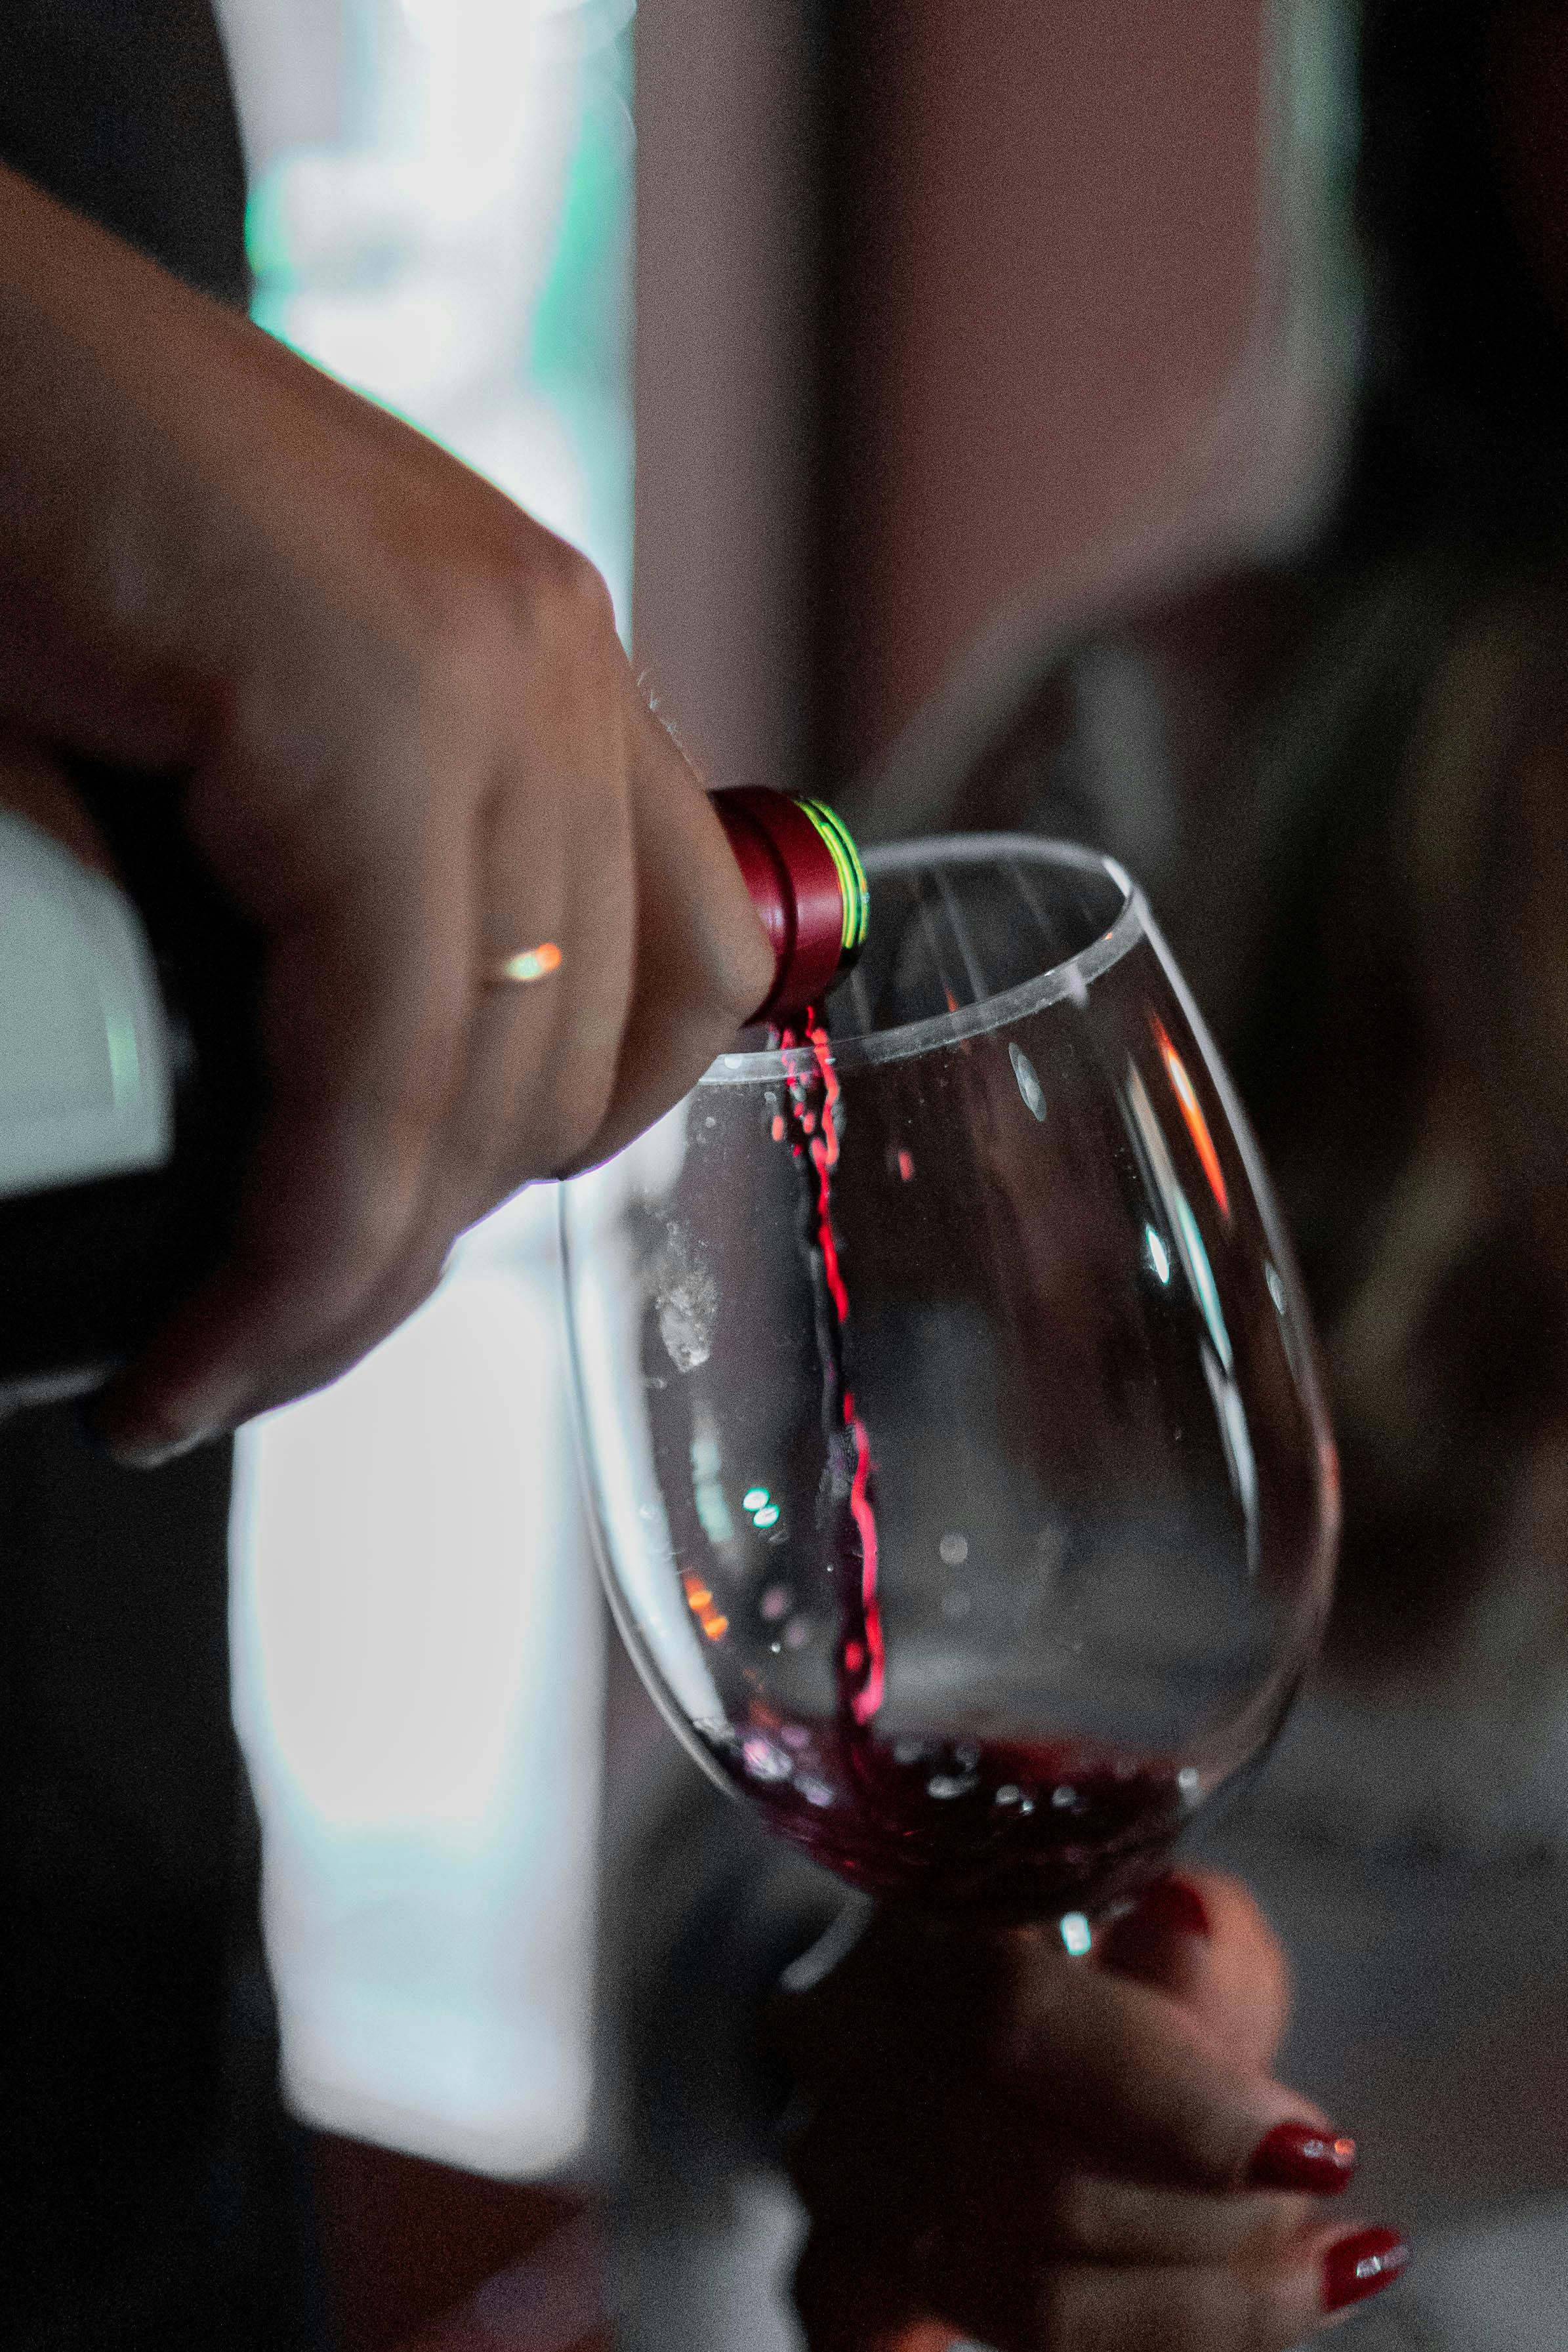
point(994, 1832)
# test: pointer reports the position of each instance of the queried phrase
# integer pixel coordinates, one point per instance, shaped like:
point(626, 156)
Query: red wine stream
point(992, 1829)
point(812, 1128)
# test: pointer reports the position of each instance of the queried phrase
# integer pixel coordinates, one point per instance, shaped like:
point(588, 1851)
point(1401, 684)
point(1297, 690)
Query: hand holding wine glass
point(1049, 2155)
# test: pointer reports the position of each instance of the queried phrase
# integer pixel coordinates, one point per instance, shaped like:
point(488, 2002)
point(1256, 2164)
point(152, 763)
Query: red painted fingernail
point(1175, 1904)
point(1302, 2156)
point(1362, 2265)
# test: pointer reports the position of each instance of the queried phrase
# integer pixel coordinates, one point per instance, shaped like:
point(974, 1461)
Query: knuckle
point(1231, 2311)
point(1068, 2307)
point(432, 666)
point(566, 607)
point(470, 645)
point(476, 624)
point(1257, 2319)
point(1276, 2233)
point(578, 586)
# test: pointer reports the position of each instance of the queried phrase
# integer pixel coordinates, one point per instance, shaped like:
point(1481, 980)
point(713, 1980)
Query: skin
point(411, 742)
point(1050, 2155)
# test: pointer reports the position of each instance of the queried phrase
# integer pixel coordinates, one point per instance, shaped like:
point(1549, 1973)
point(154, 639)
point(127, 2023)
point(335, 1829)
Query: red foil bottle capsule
point(806, 883)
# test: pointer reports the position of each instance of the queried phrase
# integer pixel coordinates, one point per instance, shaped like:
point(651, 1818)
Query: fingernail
point(1302, 2156)
point(1362, 2265)
point(154, 1452)
point(1175, 1904)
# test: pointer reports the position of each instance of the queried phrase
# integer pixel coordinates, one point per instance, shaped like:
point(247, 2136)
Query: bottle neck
point(807, 883)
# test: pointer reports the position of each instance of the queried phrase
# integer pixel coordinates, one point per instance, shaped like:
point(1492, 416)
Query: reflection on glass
point(960, 1467)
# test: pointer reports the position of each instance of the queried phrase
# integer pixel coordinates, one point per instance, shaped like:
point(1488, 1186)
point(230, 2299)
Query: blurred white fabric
point(418, 1683)
point(441, 215)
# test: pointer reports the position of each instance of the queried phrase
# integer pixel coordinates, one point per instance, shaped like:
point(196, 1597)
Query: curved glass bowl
point(948, 1405)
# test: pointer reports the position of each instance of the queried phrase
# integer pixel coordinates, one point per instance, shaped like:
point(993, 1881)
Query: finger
point(703, 964)
point(1094, 2218)
point(1018, 2193)
point(1096, 2307)
point(541, 1056)
point(1200, 1936)
point(367, 994)
point(847, 2304)
point(599, 1048)
point(544, 1061)
point(1145, 2085)
point(555, 871)
point(1136, 2081)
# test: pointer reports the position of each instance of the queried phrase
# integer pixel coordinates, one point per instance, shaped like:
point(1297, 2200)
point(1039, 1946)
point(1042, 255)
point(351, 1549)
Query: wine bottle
point(131, 1077)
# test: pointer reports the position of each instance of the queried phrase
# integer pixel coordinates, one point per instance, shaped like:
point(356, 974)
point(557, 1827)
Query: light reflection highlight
point(703, 1607)
point(1197, 1126)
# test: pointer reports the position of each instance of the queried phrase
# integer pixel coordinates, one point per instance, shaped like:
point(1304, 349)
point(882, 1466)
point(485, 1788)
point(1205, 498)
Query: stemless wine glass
point(964, 1486)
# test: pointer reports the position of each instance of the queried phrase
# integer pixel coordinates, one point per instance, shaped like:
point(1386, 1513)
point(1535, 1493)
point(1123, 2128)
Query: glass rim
point(1069, 977)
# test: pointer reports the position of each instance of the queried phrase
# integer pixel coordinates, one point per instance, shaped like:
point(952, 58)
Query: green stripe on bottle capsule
point(851, 873)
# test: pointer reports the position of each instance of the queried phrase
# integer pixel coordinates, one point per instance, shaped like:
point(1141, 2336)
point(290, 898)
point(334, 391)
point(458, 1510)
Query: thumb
point(1200, 1936)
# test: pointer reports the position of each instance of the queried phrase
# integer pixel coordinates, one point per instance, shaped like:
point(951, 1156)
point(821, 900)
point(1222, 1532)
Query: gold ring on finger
point(524, 965)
